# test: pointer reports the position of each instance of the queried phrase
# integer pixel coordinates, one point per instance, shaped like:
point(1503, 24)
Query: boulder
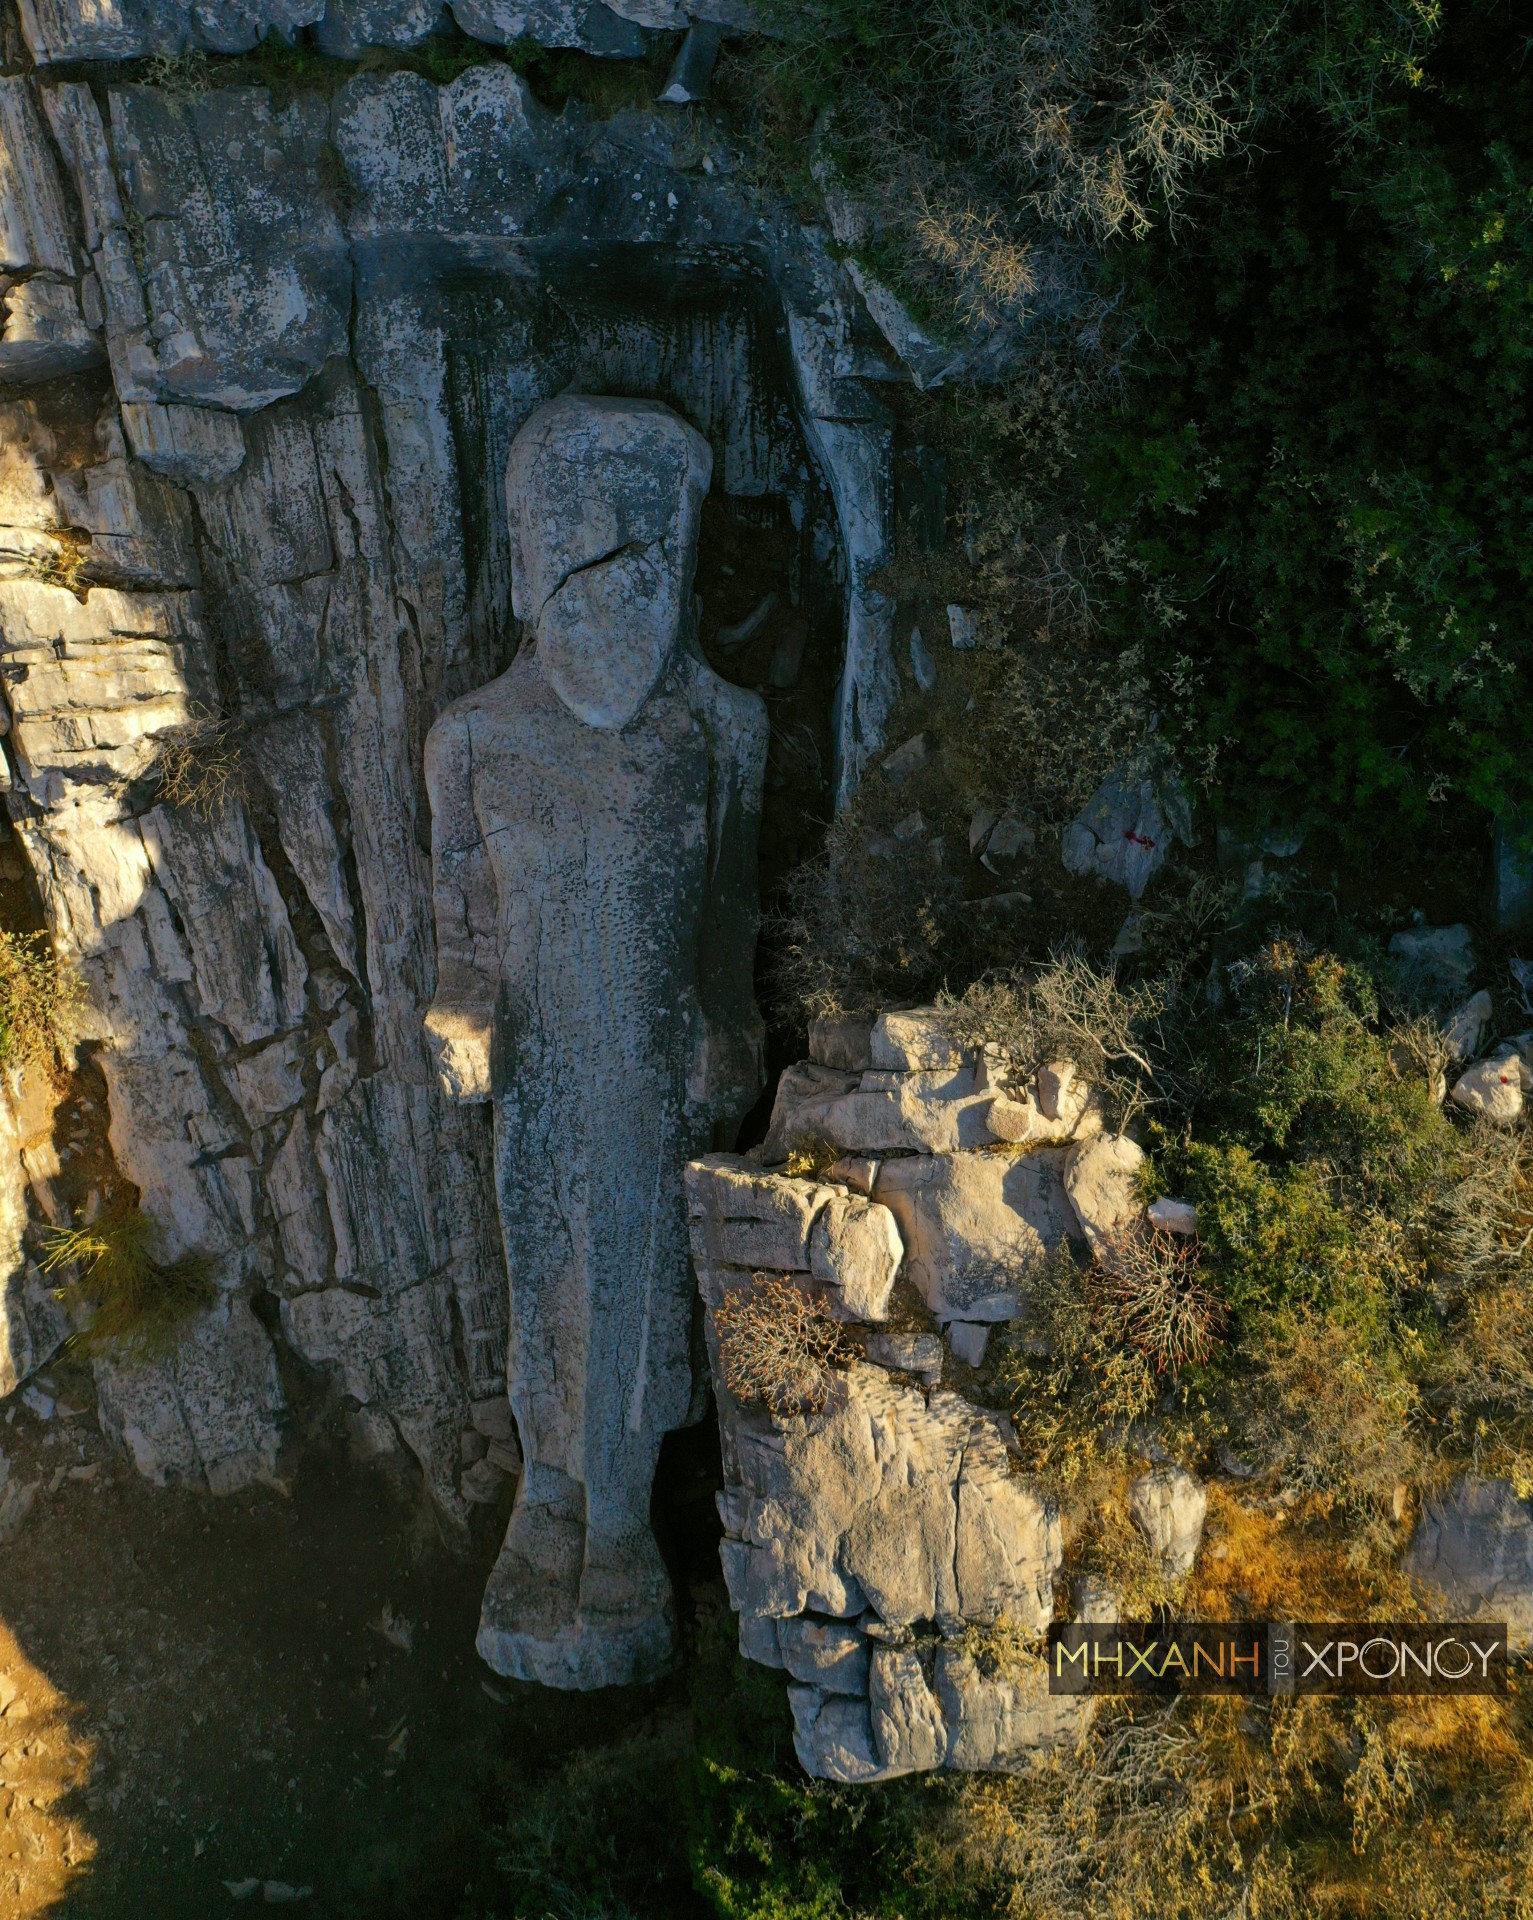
point(208, 1414)
point(1057, 1109)
point(1466, 1029)
point(888, 1501)
point(1438, 960)
point(1009, 1541)
point(908, 1729)
point(1169, 1505)
point(855, 1249)
point(841, 1041)
point(914, 1039)
point(968, 1340)
point(741, 1217)
point(1173, 1216)
point(829, 1654)
point(1494, 1087)
point(833, 1737)
point(938, 1110)
point(1125, 832)
point(350, 27)
point(1474, 1546)
point(908, 1352)
point(858, 1171)
point(1002, 1719)
point(1102, 1180)
point(975, 1226)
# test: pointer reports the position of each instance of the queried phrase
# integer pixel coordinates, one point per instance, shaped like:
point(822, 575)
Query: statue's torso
point(598, 843)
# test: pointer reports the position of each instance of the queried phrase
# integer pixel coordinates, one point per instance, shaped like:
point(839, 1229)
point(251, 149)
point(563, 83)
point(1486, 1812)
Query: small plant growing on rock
point(1149, 1284)
point(135, 1301)
point(37, 997)
point(777, 1344)
point(199, 765)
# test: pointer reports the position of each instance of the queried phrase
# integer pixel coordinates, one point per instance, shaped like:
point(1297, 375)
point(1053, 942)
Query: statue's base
point(573, 1609)
point(584, 1655)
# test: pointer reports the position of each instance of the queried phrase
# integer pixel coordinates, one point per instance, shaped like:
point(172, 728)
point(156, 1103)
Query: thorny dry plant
point(1149, 1285)
point(777, 1344)
point(200, 765)
point(1118, 1036)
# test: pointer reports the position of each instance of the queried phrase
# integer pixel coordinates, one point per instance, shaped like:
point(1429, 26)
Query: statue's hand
point(458, 1030)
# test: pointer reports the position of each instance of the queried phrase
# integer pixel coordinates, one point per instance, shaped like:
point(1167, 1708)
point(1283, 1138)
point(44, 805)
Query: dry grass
point(38, 998)
point(134, 1301)
point(200, 766)
point(777, 1344)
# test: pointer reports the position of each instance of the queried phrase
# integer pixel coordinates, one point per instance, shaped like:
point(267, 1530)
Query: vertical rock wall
point(265, 362)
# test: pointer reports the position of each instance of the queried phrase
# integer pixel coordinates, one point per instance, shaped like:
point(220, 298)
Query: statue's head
point(604, 499)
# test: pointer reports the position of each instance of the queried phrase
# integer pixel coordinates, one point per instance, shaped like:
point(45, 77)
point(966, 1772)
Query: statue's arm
point(727, 1063)
point(461, 1017)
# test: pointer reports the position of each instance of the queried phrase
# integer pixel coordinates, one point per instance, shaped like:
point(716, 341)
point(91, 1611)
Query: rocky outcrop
point(1473, 1550)
point(57, 31)
point(1127, 829)
point(1169, 1506)
point(871, 1539)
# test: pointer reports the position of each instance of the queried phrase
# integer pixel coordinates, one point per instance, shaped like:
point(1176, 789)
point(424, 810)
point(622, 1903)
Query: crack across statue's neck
point(604, 652)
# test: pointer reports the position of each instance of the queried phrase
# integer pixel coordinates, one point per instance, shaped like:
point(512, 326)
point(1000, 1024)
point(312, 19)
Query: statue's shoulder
point(499, 703)
point(734, 714)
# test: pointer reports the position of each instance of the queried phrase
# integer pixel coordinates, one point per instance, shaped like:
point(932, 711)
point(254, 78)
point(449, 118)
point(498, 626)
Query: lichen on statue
point(594, 821)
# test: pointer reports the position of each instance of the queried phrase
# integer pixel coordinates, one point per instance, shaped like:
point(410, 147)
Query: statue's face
point(604, 498)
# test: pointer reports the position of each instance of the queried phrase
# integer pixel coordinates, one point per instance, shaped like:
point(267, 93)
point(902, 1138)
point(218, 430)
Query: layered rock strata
point(882, 1548)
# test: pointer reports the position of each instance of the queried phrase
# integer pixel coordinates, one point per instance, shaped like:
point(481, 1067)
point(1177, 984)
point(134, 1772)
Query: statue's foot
point(534, 1587)
point(627, 1615)
point(608, 1622)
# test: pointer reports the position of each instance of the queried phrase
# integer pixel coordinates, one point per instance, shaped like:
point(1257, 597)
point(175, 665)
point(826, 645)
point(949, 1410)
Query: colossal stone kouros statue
point(594, 822)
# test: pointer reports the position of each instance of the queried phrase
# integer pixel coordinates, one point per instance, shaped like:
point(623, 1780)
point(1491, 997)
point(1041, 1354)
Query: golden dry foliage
point(134, 1301)
point(199, 765)
point(1205, 1809)
point(777, 1344)
point(38, 997)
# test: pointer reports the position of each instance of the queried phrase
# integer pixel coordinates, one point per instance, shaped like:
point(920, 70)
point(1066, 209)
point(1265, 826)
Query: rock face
point(1474, 1547)
point(65, 30)
point(1126, 830)
point(594, 817)
point(298, 339)
point(868, 1540)
point(1170, 1506)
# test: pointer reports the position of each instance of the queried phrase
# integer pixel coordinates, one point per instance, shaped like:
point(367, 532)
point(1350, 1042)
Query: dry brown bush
point(777, 1344)
point(200, 764)
point(1120, 1036)
point(1149, 1286)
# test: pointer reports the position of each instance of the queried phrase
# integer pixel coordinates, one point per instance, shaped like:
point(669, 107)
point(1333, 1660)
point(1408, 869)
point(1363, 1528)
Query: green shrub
point(1321, 468)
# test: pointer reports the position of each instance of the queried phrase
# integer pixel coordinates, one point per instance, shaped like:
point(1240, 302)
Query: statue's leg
point(640, 1346)
point(528, 1623)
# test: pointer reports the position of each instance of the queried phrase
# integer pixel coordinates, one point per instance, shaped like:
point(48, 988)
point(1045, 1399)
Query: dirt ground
point(215, 1705)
